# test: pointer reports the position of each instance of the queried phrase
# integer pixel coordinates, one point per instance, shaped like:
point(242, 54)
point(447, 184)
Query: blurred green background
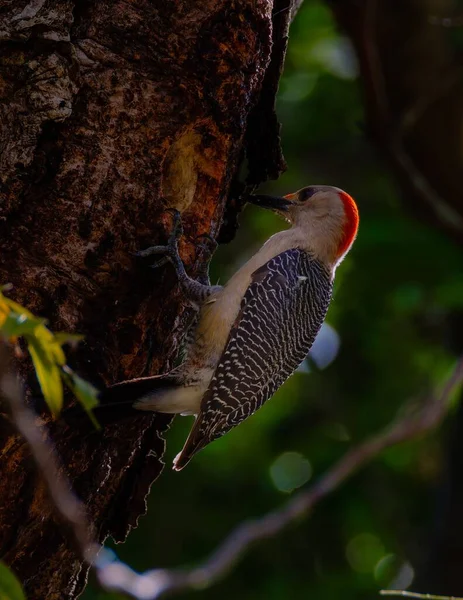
point(395, 297)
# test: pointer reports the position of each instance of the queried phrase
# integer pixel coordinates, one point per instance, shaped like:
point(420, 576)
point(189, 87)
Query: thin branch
point(67, 505)
point(117, 576)
point(405, 594)
point(160, 582)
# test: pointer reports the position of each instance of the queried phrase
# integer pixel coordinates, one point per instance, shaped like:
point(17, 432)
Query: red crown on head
point(351, 224)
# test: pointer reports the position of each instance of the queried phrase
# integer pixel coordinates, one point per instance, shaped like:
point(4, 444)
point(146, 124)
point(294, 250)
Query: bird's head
point(328, 215)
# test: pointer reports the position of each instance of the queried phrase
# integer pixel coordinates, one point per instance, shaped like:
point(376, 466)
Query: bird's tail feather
point(116, 401)
point(194, 443)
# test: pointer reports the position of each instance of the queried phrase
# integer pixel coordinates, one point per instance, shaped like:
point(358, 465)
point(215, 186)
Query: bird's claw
point(177, 229)
point(209, 243)
point(160, 263)
point(170, 250)
point(152, 250)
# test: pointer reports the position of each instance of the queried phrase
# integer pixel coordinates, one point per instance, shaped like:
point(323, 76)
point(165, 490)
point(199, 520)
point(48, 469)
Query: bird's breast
point(216, 320)
point(219, 313)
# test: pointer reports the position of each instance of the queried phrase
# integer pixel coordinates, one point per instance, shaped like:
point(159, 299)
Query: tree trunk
point(112, 112)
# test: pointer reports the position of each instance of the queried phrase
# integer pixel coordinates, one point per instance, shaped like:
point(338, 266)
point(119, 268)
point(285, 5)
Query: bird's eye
point(306, 193)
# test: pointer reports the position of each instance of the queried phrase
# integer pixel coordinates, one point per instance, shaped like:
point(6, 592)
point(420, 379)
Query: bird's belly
point(182, 399)
point(216, 320)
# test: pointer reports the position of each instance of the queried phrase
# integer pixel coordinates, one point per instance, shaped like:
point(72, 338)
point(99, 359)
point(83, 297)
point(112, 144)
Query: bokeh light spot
point(290, 471)
point(404, 577)
point(387, 568)
point(337, 56)
point(297, 87)
point(325, 347)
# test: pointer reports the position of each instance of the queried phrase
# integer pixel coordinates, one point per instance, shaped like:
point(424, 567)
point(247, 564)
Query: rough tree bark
point(410, 65)
point(111, 112)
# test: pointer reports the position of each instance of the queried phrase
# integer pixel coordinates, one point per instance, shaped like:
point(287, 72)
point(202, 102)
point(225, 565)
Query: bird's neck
point(319, 237)
point(296, 237)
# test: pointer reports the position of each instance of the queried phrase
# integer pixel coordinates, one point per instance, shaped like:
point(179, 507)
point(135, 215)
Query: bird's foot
point(205, 249)
point(208, 244)
point(168, 251)
point(195, 291)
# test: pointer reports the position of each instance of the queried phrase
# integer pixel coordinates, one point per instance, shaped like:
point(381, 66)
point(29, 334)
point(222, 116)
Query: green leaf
point(10, 588)
point(48, 374)
point(68, 338)
point(47, 340)
point(16, 325)
point(15, 320)
point(47, 355)
point(84, 391)
point(17, 308)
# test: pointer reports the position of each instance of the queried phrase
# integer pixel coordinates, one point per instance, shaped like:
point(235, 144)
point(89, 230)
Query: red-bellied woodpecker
point(252, 333)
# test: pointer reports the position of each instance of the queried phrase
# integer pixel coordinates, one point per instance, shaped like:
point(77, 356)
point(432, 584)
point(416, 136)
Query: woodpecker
point(251, 334)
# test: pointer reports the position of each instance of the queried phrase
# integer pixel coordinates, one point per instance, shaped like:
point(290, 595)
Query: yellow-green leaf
point(15, 320)
point(84, 391)
point(48, 373)
point(47, 355)
point(16, 325)
point(68, 338)
point(17, 308)
point(10, 588)
point(47, 341)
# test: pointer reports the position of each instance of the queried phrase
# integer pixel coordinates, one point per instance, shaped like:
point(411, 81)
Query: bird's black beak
point(277, 203)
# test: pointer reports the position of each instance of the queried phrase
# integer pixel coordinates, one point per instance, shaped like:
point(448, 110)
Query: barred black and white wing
point(280, 316)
